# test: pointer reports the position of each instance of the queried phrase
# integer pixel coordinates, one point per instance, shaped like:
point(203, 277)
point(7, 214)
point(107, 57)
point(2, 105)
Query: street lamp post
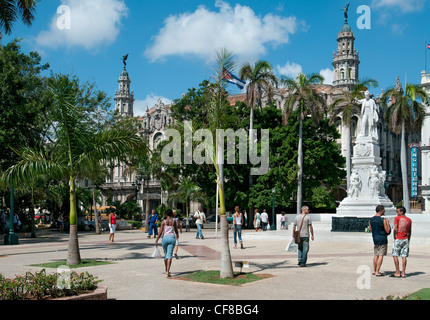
point(11, 238)
point(273, 227)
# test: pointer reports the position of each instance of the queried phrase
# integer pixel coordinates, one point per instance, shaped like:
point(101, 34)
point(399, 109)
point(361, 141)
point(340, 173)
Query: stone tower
point(124, 99)
point(345, 58)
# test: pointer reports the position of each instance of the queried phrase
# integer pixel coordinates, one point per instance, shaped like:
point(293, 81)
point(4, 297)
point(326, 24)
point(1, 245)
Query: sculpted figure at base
point(355, 184)
point(374, 182)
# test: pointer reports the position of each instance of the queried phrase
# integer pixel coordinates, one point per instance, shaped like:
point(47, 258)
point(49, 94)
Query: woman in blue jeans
point(169, 232)
point(237, 227)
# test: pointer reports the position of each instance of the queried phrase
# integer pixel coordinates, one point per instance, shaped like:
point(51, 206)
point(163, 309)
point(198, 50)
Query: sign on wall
point(414, 169)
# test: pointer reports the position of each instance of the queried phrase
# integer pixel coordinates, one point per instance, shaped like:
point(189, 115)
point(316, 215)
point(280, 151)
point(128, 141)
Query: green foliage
point(129, 210)
point(42, 286)
point(23, 100)
point(322, 166)
point(12, 10)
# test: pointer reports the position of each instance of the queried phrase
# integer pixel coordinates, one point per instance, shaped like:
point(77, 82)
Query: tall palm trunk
point(300, 163)
point(404, 168)
point(147, 207)
point(32, 215)
point(226, 264)
point(74, 256)
point(96, 216)
point(251, 147)
point(187, 212)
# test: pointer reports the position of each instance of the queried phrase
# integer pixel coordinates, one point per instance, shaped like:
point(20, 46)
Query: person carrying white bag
point(169, 232)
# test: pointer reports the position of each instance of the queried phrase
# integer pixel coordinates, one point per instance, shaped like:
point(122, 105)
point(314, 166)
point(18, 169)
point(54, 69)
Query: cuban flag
point(231, 78)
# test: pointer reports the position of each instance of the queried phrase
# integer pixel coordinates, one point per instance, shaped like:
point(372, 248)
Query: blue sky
point(171, 44)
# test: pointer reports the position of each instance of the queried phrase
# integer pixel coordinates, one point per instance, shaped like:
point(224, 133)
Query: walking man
point(380, 229)
point(402, 236)
point(200, 218)
point(304, 224)
point(264, 219)
point(153, 226)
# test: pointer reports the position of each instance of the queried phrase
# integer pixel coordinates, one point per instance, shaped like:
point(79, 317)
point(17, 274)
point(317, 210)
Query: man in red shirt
point(402, 237)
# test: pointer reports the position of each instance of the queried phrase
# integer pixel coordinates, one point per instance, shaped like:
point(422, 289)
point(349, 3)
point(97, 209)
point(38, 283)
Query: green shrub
point(40, 286)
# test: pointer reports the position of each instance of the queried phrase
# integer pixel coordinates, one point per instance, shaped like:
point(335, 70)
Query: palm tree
point(224, 61)
point(96, 173)
point(186, 192)
point(302, 94)
point(11, 10)
point(76, 146)
point(403, 112)
point(260, 78)
point(345, 105)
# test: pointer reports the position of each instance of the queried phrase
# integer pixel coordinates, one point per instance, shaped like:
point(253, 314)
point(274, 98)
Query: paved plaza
point(338, 265)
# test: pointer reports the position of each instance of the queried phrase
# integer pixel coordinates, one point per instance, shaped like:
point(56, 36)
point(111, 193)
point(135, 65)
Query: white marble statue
point(382, 178)
point(374, 182)
point(369, 116)
point(355, 184)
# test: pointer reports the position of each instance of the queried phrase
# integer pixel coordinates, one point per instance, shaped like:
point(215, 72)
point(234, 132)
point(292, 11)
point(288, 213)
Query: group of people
point(4, 219)
point(381, 229)
point(261, 221)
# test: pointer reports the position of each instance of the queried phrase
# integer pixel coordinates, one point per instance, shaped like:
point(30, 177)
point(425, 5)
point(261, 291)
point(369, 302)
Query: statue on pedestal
point(369, 117)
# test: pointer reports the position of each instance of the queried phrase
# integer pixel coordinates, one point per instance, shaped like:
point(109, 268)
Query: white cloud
point(239, 29)
point(290, 70)
point(328, 75)
point(404, 5)
point(92, 23)
point(149, 102)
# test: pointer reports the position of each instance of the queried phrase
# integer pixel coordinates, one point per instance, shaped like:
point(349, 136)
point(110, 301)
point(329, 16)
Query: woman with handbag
point(301, 236)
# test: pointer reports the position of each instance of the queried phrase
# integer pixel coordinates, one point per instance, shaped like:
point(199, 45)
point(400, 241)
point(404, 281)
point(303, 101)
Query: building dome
point(124, 73)
point(346, 28)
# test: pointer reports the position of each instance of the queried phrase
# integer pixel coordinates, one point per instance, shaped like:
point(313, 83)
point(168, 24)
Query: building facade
point(425, 150)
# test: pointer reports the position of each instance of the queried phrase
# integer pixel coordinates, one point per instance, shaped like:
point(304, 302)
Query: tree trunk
point(300, 165)
point(147, 207)
point(96, 216)
point(404, 168)
point(32, 215)
point(187, 212)
point(74, 256)
point(251, 146)
point(226, 265)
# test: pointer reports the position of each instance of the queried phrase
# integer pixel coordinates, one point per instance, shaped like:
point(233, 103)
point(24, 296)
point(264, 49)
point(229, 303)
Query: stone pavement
point(338, 265)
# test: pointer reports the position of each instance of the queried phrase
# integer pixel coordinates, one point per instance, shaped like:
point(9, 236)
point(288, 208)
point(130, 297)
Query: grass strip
point(83, 264)
point(213, 276)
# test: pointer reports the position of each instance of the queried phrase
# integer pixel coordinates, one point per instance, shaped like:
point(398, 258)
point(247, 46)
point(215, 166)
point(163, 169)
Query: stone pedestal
point(367, 189)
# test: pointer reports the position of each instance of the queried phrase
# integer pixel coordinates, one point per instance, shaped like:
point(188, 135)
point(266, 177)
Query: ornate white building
point(123, 184)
